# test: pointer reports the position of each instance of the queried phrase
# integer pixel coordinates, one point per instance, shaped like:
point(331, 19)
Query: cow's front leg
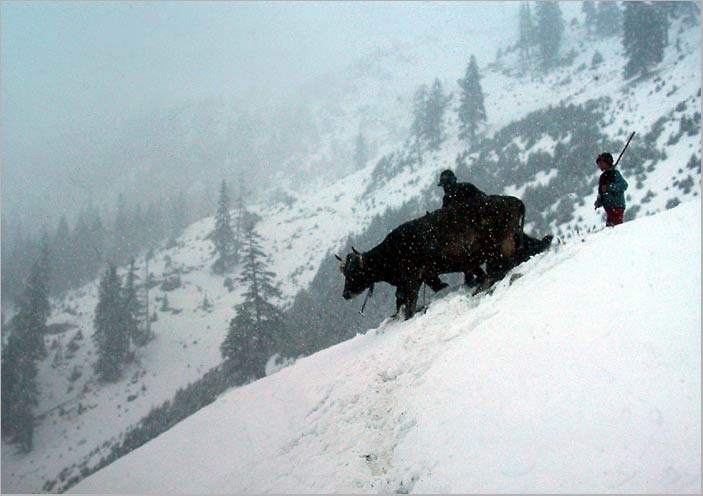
point(399, 301)
point(411, 301)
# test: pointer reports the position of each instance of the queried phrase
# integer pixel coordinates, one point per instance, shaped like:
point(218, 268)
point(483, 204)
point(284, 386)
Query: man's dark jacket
point(462, 193)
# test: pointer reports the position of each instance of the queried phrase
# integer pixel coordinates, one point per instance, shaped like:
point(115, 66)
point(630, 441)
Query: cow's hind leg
point(410, 302)
point(399, 301)
point(435, 283)
point(474, 277)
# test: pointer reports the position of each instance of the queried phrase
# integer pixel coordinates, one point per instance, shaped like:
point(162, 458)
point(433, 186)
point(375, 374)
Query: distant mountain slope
point(581, 376)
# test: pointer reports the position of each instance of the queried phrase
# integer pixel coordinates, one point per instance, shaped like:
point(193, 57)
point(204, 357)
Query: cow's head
point(357, 277)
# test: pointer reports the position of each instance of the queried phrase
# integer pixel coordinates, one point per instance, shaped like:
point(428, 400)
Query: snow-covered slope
point(72, 433)
point(581, 376)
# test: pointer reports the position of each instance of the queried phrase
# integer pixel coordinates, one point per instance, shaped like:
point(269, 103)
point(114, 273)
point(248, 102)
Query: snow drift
point(583, 375)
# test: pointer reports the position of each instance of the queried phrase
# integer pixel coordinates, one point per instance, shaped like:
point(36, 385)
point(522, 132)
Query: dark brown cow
point(455, 239)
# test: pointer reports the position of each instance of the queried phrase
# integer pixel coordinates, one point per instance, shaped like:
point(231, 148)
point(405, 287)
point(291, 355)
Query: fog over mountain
point(148, 99)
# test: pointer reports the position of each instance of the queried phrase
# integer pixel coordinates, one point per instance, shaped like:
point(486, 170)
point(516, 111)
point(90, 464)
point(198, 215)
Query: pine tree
point(471, 109)
point(25, 347)
point(429, 108)
point(223, 236)
point(258, 329)
point(19, 389)
point(34, 307)
point(111, 333)
point(550, 28)
point(644, 37)
point(437, 104)
point(133, 309)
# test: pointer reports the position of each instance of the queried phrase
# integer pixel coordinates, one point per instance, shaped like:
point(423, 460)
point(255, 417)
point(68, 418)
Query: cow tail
point(520, 229)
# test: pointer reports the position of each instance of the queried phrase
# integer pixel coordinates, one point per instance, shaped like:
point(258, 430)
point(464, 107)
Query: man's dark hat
point(446, 177)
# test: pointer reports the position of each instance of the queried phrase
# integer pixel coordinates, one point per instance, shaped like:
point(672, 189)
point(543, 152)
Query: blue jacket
point(615, 186)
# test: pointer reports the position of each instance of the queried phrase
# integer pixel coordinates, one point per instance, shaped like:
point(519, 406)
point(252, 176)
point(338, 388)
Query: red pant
point(614, 216)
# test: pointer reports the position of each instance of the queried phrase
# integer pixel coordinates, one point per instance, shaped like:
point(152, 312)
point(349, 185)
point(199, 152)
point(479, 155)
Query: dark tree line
point(429, 109)
point(21, 352)
point(119, 323)
point(645, 34)
point(430, 106)
point(78, 253)
point(229, 231)
point(642, 27)
point(540, 36)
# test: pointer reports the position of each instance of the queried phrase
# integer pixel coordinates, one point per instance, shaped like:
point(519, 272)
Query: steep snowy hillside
point(301, 231)
point(581, 376)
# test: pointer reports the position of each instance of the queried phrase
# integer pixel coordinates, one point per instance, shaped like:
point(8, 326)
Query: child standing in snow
point(611, 190)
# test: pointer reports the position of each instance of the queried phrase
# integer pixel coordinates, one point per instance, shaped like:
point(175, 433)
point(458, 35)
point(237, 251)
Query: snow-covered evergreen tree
point(223, 236)
point(644, 37)
point(437, 104)
point(25, 347)
point(550, 28)
point(429, 109)
point(19, 389)
point(258, 329)
point(471, 108)
point(111, 331)
point(133, 309)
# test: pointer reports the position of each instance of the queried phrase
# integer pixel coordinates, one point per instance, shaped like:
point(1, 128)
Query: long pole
point(146, 287)
point(623, 150)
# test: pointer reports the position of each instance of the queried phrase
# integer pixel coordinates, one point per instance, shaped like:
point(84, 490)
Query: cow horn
point(337, 257)
point(355, 251)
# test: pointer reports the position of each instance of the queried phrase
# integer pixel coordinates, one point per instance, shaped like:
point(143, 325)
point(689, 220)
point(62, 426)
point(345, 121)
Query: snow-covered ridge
point(583, 375)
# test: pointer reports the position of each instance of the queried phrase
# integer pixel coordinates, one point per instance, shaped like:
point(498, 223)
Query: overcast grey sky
point(72, 71)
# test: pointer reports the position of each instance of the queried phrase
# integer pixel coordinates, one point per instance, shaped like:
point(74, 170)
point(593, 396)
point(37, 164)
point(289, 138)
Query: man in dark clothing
point(611, 190)
point(456, 192)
